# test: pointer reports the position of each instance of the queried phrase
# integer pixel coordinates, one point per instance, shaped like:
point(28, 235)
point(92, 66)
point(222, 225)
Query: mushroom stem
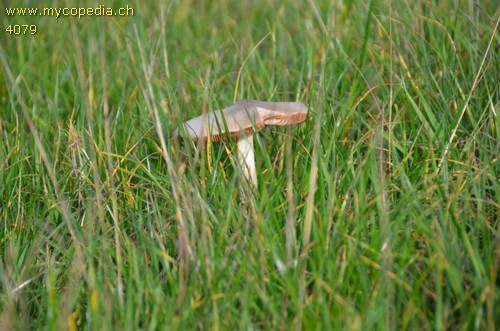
point(246, 158)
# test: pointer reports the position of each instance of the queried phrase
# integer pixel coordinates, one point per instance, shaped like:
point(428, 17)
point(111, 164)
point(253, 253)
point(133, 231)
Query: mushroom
point(240, 121)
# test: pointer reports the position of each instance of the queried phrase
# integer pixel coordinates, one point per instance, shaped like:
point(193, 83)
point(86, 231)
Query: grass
point(380, 212)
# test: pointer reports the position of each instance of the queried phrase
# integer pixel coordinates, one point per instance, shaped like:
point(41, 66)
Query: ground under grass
point(380, 212)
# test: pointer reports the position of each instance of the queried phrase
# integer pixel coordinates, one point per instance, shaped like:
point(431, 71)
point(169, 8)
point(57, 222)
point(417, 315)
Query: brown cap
point(244, 117)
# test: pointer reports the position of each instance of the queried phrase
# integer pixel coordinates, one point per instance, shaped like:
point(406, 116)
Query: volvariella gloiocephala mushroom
point(240, 121)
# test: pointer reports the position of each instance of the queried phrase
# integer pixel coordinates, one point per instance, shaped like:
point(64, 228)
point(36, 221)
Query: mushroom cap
point(242, 118)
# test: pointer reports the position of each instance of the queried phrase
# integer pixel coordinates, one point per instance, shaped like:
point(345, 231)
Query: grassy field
point(380, 212)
